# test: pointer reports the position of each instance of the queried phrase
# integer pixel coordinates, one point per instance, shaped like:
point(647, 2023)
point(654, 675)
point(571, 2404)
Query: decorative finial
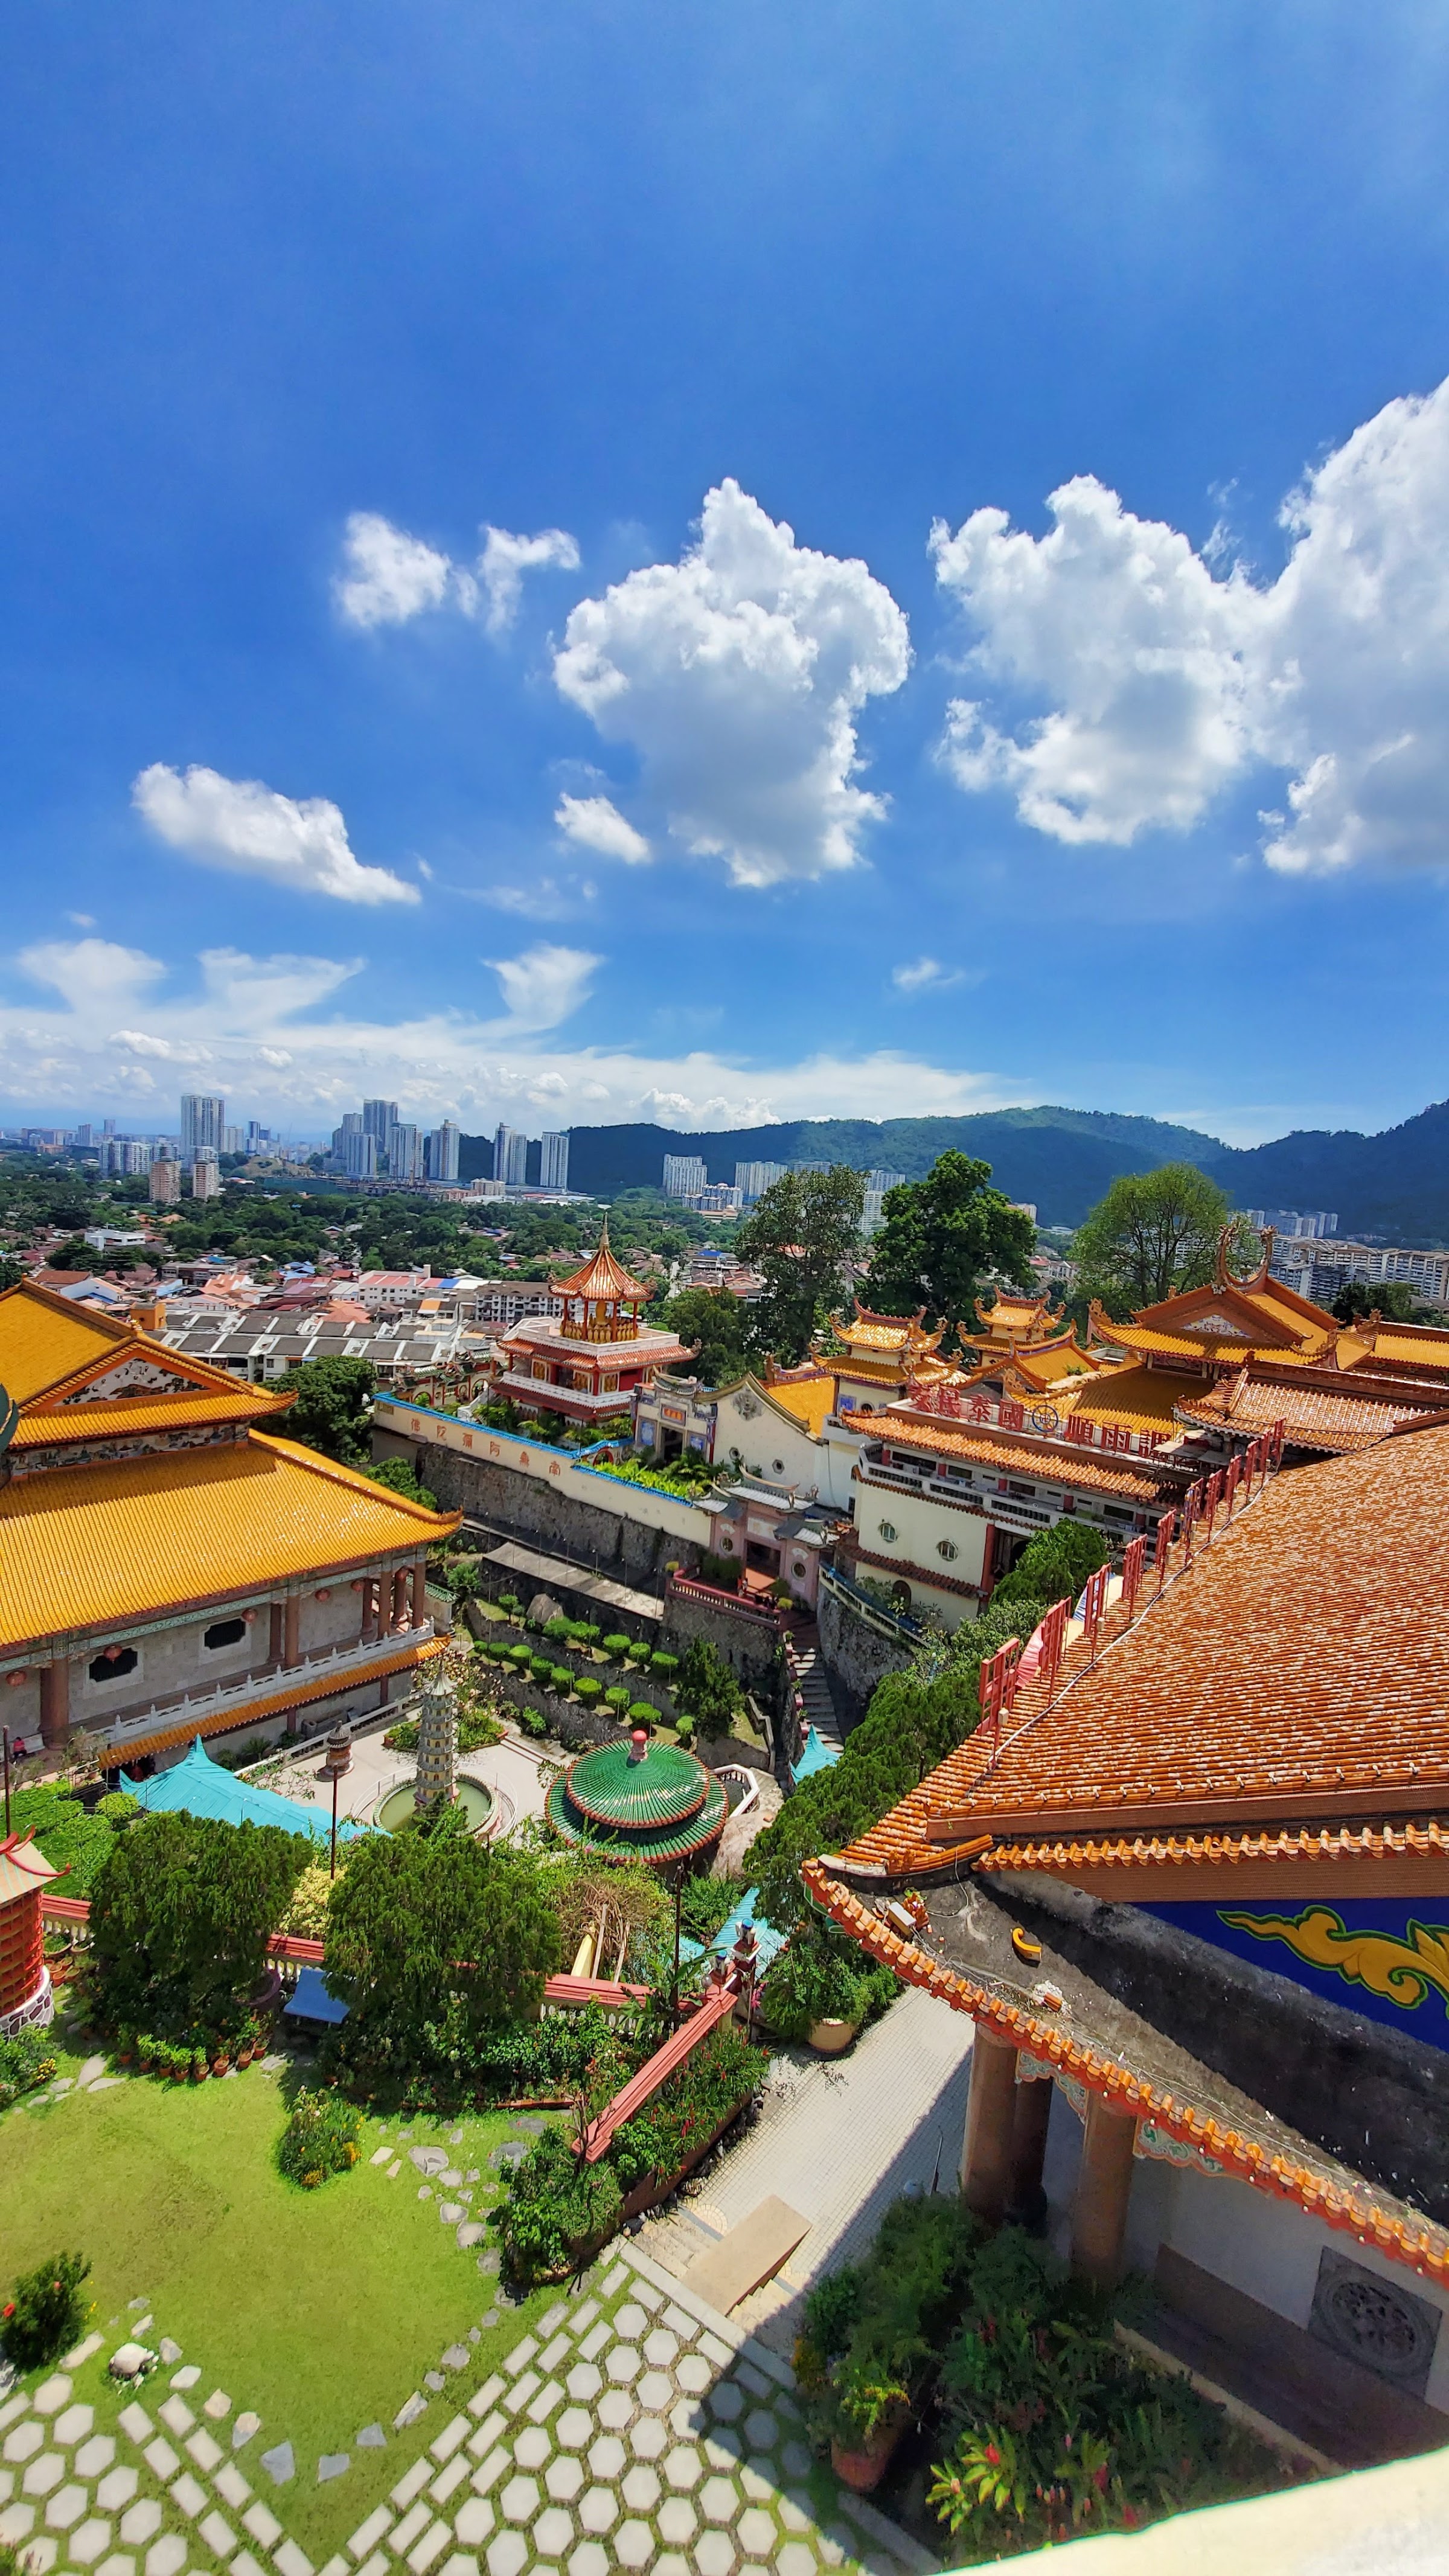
point(638, 1744)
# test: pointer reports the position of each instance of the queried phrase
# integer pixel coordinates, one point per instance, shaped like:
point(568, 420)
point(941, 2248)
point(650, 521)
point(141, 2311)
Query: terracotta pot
point(863, 2469)
point(199, 2074)
point(178, 2074)
point(219, 2065)
point(828, 2038)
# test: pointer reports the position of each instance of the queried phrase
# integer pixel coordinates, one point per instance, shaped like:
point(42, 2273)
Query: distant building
point(405, 1153)
point(355, 1148)
point(377, 1117)
point(880, 1181)
point(1288, 1221)
point(440, 1152)
point(587, 1363)
point(165, 1185)
point(553, 1165)
point(717, 1198)
point(203, 1124)
point(258, 1138)
point(510, 1157)
point(104, 1236)
point(684, 1176)
point(205, 1176)
point(753, 1179)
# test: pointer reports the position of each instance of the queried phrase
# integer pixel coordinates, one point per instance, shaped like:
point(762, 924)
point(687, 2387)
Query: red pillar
point(1104, 2187)
point(420, 1592)
point(986, 2159)
point(292, 1629)
point(55, 1702)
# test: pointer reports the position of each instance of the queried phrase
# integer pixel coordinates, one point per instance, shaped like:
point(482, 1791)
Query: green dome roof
point(618, 1784)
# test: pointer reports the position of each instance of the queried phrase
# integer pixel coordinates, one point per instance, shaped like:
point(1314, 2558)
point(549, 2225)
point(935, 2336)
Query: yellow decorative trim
point(1397, 1971)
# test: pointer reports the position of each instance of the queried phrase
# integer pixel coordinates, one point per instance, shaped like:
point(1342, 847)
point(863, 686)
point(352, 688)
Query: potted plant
point(873, 2332)
point(199, 2067)
point(178, 2064)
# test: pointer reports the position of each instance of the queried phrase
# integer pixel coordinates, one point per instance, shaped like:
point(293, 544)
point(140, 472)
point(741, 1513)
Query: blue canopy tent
point(205, 1788)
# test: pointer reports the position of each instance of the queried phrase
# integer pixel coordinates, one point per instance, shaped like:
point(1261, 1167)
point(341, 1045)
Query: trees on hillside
point(713, 1317)
point(330, 1413)
point(1154, 1234)
point(939, 1239)
point(1394, 1299)
point(800, 1236)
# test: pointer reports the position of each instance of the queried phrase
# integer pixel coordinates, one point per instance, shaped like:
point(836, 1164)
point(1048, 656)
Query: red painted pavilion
point(587, 1362)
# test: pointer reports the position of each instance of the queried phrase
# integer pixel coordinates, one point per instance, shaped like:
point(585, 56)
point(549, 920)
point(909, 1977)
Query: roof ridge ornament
point(1224, 1276)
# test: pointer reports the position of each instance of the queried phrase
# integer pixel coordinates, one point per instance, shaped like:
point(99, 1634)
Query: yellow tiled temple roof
point(808, 1399)
point(44, 1339)
point(1144, 1399)
point(187, 1409)
point(92, 1547)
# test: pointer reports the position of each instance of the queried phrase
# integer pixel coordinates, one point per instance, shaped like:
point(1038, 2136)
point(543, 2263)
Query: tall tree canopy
point(1153, 1234)
point(421, 1922)
point(330, 1413)
point(939, 1239)
point(715, 1318)
point(181, 1913)
point(800, 1236)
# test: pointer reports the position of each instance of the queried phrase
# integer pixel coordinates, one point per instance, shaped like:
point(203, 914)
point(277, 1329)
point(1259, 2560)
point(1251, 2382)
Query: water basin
point(396, 1806)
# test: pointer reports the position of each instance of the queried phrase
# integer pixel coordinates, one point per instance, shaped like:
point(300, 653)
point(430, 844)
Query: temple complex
point(587, 1363)
point(1190, 1880)
point(883, 1356)
point(172, 1568)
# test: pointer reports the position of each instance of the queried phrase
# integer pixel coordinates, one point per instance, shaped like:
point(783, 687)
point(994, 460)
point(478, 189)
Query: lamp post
point(336, 1763)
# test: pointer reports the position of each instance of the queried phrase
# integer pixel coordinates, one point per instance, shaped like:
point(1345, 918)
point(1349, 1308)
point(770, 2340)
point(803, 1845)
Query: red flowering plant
point(45, 2312)
point(1056, 2430)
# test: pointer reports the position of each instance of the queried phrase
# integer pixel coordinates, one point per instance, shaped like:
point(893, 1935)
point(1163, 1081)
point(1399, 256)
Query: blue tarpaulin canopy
point(205, 1788)
point(815, 1755)
point(313, 1999)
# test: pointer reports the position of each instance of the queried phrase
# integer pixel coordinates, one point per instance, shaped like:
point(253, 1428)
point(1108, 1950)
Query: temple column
point(1031, 2116)
point(1104, 2187)
point(420, 1591)
point(55, 1703)
point(292, 1629)
point(986, 2157)
point(399, 1617)
point(369, 1609)
point(275, 1640)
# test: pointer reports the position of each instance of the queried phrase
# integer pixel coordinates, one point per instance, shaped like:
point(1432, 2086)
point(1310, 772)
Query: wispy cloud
point(505, 559)
point(596, 823)
point(926, 975)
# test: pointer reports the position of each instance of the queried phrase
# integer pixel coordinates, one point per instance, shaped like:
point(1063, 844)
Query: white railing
point(202, 1706)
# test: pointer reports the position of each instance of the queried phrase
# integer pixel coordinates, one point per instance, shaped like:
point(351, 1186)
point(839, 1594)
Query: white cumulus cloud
point(1150, 682)
point(545, 985)
point(249, 830)
point(925, 975)
point(505, 560)
point(388, 576)
point(596, 823)
point(737, 675)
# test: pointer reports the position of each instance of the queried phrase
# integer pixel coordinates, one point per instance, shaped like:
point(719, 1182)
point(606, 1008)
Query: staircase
point(814, 1688)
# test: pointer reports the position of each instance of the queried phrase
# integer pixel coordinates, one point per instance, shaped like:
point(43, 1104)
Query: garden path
point(838, 2139)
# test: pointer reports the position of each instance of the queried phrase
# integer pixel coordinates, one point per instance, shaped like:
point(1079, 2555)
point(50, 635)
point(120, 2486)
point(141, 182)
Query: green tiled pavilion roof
point(650, 1843)
point(617, 1784)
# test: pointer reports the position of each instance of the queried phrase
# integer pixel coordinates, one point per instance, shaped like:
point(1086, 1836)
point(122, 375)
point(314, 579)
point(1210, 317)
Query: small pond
point(397, 1806)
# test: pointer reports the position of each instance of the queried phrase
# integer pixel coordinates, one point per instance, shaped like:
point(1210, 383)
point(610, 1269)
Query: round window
point(947, 1549)
point(887, 1530)
point(798, 1571)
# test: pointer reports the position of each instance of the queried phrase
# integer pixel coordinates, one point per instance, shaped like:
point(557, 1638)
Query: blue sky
point(646, 805)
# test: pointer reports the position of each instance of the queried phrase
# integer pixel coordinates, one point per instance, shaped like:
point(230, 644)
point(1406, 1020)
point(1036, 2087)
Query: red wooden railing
point(717, 2004)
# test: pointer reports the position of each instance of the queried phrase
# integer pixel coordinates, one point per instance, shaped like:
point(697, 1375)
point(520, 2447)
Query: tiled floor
point(631, 2428)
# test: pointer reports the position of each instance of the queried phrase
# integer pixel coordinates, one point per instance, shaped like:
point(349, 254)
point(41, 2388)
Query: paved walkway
point(838, 2139)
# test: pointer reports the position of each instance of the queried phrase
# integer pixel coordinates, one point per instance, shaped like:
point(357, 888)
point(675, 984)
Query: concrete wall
point(856, 1656)
point(750, 1647)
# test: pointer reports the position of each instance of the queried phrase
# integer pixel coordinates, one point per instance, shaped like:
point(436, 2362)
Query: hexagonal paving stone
point(166, 2556)
point(553, 2532)
point(589, 2560)
point(671, 2563)
point(630, 2320)
point(655, 2391)
point(835, 2543)
point(762, 2429)
point(624, 2363)
point(714, 2553)
point(51, 2395)
point(94, 2456)
point(723, 2448)
point(117, 2566)
point(43, 2474)
point(141, 2524)
point(563, 2479)
point(519, 2500)
point(661, 2348)
point(583, 2382)
point(757, 2533)
point(795, 2560)
point(727, 2403)
point(474, 2522)
point(606, 2457)
point(678, 2521)
point(683, 2467)
point(694, 2373)
point(573, 2428)
point(116, 2489)
point(633, 2544)
point(508, 2554)
point(532, 2447)
point(65, 2509)
point(757, 2485)
point(795, 2460)
point(649, 2439)
point(719, 2500)
point(74, 2424)
point(24, 2442)
point(616, 2409)
point(794, 2511)
point(641, 2490)
point(599, 2509)
point(89, 2541)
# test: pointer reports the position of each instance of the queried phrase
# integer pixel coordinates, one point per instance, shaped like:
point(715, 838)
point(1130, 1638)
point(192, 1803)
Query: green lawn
point(319, 2310)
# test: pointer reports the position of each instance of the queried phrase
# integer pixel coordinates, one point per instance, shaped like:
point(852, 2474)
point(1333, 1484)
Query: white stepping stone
point(24, 2441)
point(161, 2459)
point(450, 2211)
point(450, 2177)
point(589, 2560)
point(93, 2067)
point(188, 2377)
point(263, 2525)
point(142, 2523)
point(474, 2522)
point(167, 2556)
point(719, 2499)
point(217, 2405)
point(471, 2233)
point(649, 2439)
point(51, 2395)
point(393, 2171)
point(616, 2408)
point(714, 2554)
point(16, 2523)
point(280, 2463)
point(573, 2428)
point(408, 2413)
point(176, 2415)
point(242, 2430)
point(189, 2494)
point(117, 2566)
point(44, 2474)
point(425, 2191)
point(217, 2534)
point(381, 2157)
point(372, 2438)
point(291, 2560)
point(64, 2510)
point(428, 2160)
point(599, 2509)
point(633, 2544)
point(508, 2554)
point(232, 2487)
point(116, 2489)
point(563, 2478)
point(207, 2454)
point(457, 2357)
point(82, 2352)
point(94, 2457)
point(678, 2522)
point(168, 2350)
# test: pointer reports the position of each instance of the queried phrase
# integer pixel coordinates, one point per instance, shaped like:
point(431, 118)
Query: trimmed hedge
point(616, 1646)
point(642, 1712)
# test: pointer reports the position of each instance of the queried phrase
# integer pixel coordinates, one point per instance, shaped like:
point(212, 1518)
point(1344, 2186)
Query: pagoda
point(884, 1355)
point(637, 1801)
point(587, 1363)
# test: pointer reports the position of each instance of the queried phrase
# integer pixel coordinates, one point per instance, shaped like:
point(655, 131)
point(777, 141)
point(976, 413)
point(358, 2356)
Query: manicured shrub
point(321, 2138)
point(617, 1698)
point(561, 1679)
point(684, 1729)
point(663, 1664)
point(510, 1602)
point(531, 1722)
point(588, 1632)
point(556, 2208)
point(642, 1712)
point(588, 1689)
point(540, 1668)
point(25, 2061)
point(639, 1650)
point(557, 1630)
point(616, 1646)
point(522, 1656)
point(44, 2313)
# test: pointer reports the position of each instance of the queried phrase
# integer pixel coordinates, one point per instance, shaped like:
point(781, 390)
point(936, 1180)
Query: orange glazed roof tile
point(603, 1277)
point(1295, 1669)
point(189, 1408)
point(1237, 1848)
point(941, 1439)
point(1312, 1417)
point(1144, 1399)
point(95, 1546)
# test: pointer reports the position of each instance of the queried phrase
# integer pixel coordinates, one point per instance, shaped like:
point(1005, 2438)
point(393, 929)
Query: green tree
point(400, 1478)
point(422, 1924)
point(940, 1237)
point(181, 1913)
point(706, 1689)
point(800, 1236)
point(1053, 1566)
point(1154, 1234)
point(1394, 1299)
point(330, 1413)
point(714, 1318)
point(11, 1273)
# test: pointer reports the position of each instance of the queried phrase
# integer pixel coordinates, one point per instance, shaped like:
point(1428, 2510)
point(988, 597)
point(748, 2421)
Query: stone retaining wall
point(855, 1656)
